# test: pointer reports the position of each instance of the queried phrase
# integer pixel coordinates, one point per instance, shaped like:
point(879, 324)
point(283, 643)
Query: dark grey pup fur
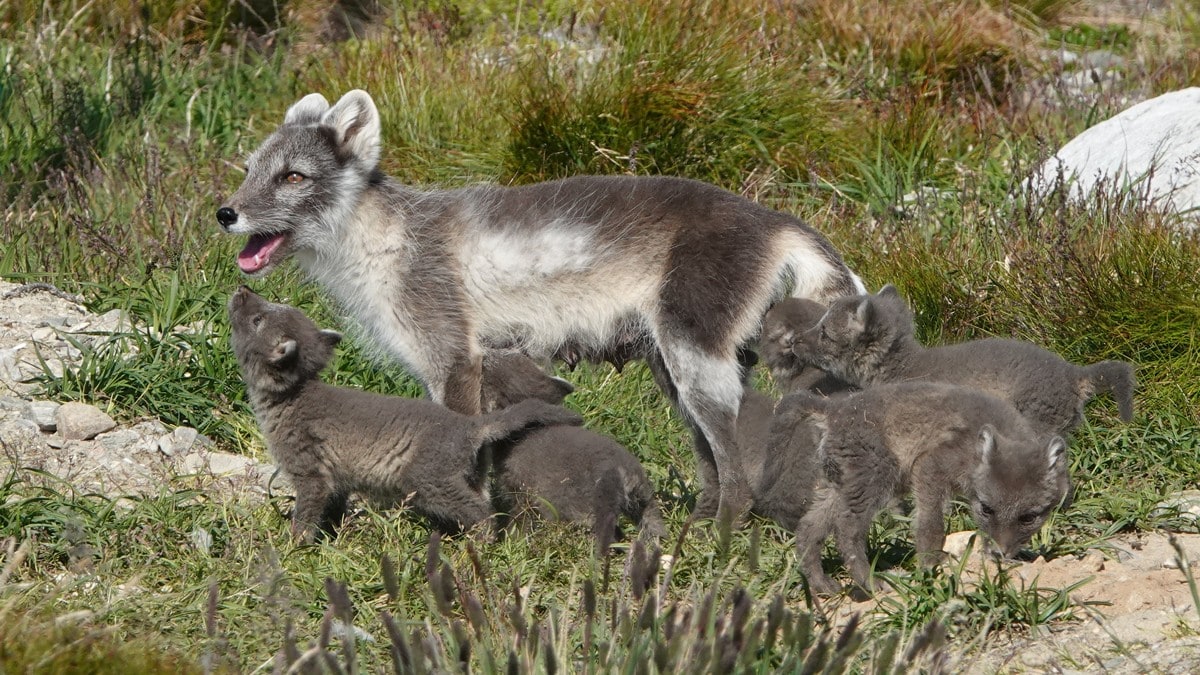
point(787, 346)
point(869, 340)
point(332, 441)
point(562, 472)
point(779, 458)
point(674, 271)
point(545, 466)
point(936, 441)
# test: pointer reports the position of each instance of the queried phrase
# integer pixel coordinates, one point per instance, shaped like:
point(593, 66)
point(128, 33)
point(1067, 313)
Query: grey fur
point(788, 347)
point(936, 440)
point(779, 458)
point(544, 468)
point(562, 472)
point(869, 340)
point(333, 441)
point(675, 271)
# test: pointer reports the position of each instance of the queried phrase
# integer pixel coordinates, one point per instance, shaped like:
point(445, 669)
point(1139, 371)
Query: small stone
point(56, 442)
point(80, 421)
point(224, 463)
point(44, 334)
point(1093, 561)
point(119, 439)
point(45, 415)
point(179, 441)
point(957, 542)
point(184, 438)
point(18, 405)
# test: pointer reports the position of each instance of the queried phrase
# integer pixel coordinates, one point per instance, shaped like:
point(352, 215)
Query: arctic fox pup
point(868, 340)
point(936, 441)
point(332, 441)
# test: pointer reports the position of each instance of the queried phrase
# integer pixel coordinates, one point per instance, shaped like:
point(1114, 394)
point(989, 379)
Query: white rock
point(224, 463)
point(80, 421)
point(1152, 147)
point(957, 543)
point(45, 415)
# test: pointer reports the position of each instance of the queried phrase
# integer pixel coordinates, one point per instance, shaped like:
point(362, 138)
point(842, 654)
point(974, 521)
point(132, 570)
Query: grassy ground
point(902, 136)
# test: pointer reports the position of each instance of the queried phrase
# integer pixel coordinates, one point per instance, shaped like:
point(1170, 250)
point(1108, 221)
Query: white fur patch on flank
point(515, 259)
point(544, 286)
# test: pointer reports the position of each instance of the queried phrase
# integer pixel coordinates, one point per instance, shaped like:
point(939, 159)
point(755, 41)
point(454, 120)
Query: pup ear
point(283, 353)
point(331, 337)
point(355, 120)
point(307, 110)
point(564, 388)
point(888, 291)
point(862, 315)
point(987, 442)
point(1056, 453)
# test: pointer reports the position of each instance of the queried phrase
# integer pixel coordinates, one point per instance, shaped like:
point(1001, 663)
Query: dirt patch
point(1136, 608)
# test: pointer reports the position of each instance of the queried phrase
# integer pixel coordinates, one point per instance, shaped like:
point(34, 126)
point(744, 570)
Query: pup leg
point(814, 528)
point(454, 505)
point(929, 519)
point(318, 508)
point(851, 534)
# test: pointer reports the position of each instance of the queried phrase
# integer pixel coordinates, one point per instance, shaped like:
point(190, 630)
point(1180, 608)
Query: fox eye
point(256, 320)
point(986, 510)
point(294, 177)
point(1029, 518)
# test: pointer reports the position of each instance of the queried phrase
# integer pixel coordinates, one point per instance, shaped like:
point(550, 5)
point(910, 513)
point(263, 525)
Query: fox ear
point(307, 110)
point(355, 120)
point(1056, 454)
point(987, 442)
point(862, 315)
point(284, 352)
point(888, 291)
point(331, 337)
point(565, 388)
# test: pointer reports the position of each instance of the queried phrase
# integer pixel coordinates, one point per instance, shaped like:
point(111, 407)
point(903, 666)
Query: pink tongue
point(258, 252)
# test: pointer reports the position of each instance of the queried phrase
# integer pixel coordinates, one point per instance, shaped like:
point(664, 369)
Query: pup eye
point(986, 510)
point(1029, 518)
point(256, 320)
point(294, 177)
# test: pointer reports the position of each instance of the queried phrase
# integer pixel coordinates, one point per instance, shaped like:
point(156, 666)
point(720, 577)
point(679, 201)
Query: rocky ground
point(80, 443)
point(1141, 614)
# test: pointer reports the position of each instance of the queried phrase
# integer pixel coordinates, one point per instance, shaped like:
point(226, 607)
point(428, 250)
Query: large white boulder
point(1152, 148)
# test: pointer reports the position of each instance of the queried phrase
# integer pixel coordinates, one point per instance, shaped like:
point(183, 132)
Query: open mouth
point(257, 254)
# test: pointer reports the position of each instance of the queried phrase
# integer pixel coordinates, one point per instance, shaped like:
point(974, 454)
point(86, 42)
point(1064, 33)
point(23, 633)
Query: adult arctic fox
point(675, 271)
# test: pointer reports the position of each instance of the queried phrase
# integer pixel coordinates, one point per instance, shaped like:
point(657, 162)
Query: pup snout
point(226, 217)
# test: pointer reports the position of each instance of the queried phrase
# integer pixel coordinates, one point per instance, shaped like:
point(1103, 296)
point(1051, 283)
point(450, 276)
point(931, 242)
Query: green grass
point(903, 137)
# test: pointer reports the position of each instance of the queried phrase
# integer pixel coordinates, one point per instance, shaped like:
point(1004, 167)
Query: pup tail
point(1116, 377)
point(528, 414)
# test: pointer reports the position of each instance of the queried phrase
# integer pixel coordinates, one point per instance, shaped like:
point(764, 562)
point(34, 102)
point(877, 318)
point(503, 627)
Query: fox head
point(304, 180)
point(277, 346)
point(1016, 485)
point(512, 377)
point(787, 333)
point(855, 336)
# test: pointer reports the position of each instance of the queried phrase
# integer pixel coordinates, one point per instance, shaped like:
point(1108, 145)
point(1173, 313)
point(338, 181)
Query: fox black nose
point(226, 217)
